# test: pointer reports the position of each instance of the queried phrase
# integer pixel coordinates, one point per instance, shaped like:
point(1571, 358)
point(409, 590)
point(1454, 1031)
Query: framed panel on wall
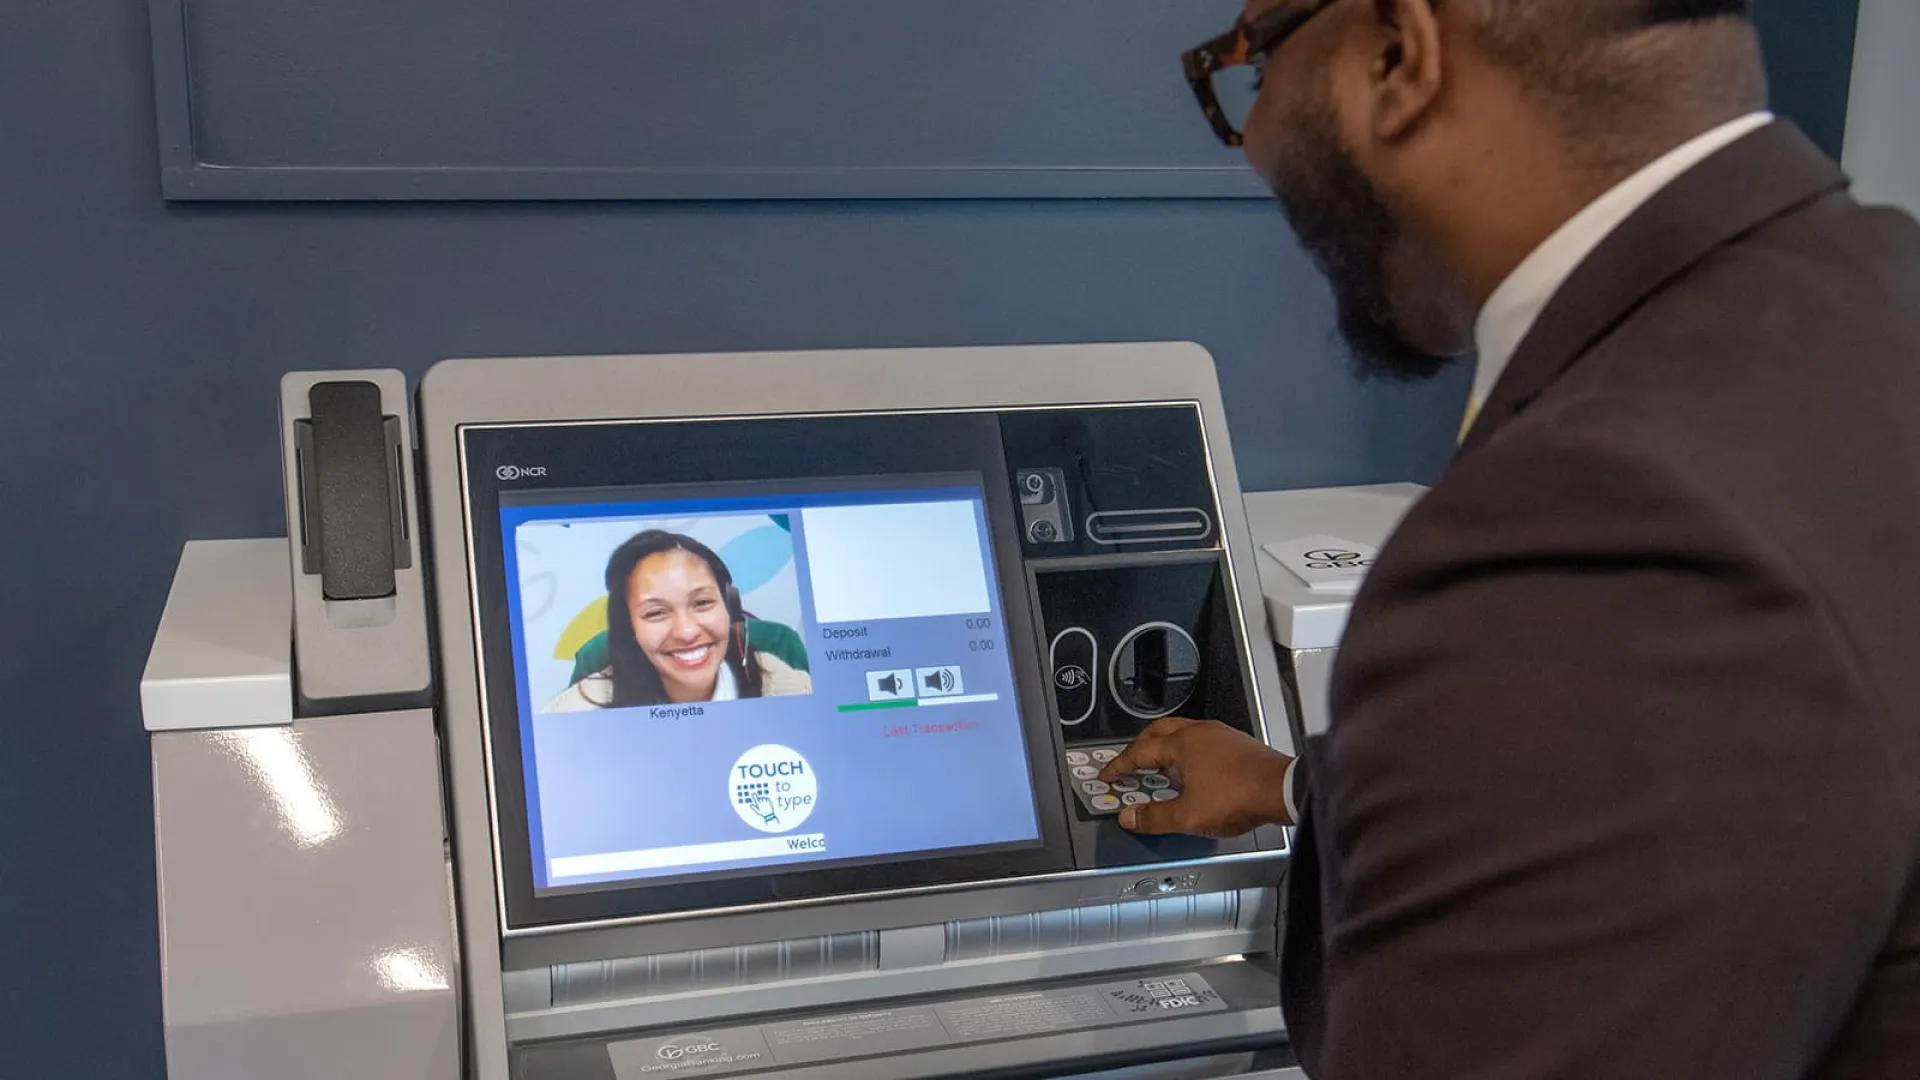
point(750, 99)
point(643, 99)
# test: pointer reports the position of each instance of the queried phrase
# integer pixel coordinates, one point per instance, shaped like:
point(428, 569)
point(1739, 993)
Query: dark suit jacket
point(1623, 779)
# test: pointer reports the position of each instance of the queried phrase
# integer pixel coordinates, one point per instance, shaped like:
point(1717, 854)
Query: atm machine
point(614, 718)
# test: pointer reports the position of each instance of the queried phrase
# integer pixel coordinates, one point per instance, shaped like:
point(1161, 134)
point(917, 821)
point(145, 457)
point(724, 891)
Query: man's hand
point(1230, 783)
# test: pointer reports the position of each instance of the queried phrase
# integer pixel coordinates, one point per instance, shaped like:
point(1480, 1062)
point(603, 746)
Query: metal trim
point(1143, 869)
point(192, 179)
point(480, 672)
point(955, 410)
point(1238, 609)
point(1207, 949)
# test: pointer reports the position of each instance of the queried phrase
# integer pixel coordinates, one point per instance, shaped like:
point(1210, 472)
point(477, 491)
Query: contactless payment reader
point(726, 715)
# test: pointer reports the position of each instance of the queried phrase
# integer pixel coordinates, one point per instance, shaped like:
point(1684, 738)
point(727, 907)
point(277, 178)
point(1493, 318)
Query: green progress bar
point(907, 703)
point(869, 706)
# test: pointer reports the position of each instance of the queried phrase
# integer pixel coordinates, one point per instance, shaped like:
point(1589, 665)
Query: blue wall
point(141, 344)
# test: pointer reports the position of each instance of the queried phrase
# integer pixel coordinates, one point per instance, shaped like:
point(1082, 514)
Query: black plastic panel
point(1112, 605)
point(1111, 481)
point(1120, 524)
point(348, 491)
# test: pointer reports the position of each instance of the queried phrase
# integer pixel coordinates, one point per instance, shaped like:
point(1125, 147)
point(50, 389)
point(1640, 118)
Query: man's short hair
point(1592, 57)
point(1684, 10)
point(1623, 14)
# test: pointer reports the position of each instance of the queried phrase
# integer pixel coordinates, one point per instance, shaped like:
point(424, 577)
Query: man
point(1623, 778)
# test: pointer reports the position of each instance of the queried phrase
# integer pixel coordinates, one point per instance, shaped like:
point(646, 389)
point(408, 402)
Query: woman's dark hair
point(635, 680)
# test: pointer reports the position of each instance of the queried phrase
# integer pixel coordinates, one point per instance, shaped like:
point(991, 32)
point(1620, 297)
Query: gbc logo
point(675, 1051)
point(520, 472)
point(1336, 559)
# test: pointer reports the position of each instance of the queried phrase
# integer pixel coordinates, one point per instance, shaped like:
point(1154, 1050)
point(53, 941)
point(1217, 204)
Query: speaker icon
point(939, 681)
point(889, 685)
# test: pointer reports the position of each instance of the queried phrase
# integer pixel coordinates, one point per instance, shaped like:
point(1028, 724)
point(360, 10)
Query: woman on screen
point(676, 633)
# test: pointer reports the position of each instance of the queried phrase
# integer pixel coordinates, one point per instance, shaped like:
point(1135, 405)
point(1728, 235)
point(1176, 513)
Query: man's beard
point(1346, 227)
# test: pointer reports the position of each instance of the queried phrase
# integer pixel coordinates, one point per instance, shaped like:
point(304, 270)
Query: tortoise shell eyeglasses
point(1248, 44)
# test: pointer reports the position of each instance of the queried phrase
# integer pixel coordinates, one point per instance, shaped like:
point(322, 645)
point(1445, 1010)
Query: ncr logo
point(510, 473)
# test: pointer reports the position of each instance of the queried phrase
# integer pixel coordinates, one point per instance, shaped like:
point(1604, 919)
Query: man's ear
point(1407, 72)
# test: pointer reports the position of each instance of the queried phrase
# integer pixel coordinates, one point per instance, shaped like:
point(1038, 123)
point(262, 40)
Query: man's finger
point(1150, 750)
point(1147, 752)
point(1155, 819)
point(1167, 725)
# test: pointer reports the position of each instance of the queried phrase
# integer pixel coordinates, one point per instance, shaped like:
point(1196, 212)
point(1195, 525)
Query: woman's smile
point(691, 658)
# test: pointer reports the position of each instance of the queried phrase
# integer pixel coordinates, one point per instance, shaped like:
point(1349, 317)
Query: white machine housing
point(328, 856)
point(1307, 625)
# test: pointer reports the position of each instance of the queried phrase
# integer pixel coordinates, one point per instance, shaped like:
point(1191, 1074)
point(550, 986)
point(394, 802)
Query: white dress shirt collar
point(1516, 305)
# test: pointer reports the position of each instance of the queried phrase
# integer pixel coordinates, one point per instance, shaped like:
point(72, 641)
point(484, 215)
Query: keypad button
point(1078, 757)
point(1095, 787)
point(1085, 772)
point(1147, 772)
point(1163, 795)
point(1155, 782)
point(1105, 802)
point(1105, 754)
point(1135, 798)
point(1126, 783)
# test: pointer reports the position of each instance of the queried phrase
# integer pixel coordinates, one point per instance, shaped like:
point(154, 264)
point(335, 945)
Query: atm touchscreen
point(724, 684)
point(744, 691)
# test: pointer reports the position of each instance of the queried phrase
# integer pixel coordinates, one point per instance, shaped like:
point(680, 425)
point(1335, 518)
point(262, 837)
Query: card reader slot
point(1118, 528)
point(352, 516)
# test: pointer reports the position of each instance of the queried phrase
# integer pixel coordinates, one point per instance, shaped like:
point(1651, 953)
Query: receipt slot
point(759, 734)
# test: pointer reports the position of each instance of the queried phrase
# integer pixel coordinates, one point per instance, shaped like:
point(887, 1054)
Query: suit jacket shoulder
point(1650, 634)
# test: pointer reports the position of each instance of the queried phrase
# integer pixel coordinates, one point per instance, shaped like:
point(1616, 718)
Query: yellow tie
point(1473, 413)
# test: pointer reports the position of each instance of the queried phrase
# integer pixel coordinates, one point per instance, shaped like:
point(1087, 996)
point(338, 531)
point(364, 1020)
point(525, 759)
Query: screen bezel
point(485, 452)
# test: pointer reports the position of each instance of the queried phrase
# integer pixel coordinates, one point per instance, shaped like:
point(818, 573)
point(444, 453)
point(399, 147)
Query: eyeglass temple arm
point(1230, 49)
